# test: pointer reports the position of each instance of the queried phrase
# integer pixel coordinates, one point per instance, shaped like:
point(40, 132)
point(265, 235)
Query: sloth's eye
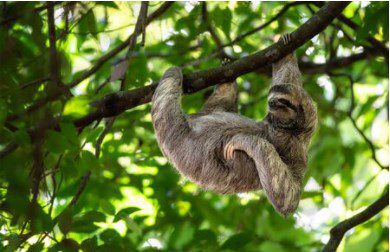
point(285, 102)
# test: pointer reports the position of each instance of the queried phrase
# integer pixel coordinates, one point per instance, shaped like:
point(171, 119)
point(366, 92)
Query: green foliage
point(129, 198)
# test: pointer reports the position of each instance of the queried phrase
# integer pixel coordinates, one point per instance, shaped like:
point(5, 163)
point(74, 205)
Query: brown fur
point(269, 155)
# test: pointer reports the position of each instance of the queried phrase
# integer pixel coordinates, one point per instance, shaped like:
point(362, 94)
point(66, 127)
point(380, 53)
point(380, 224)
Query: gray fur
point(269, 155)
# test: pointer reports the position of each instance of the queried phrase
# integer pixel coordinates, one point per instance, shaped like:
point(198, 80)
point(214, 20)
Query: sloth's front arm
point(277, 180)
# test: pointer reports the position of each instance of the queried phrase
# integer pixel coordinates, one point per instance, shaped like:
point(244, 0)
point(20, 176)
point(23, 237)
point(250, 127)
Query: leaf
point(71, 134)
point(137, 73)
point(88, 23)
point(110, 236)
point(107, 207)
point(65, 221)
point(108, 4)
point(85, 222)
point(132, 225)
point(36, 247)
point(182, 235)
point(77, 106)
point(56, 142)
point(3, 111)
point(125, 213)
point(92, 216)
point(237, 241)
point(311, 194)
point(90, 244)
point(222, 19)
point(206, 235)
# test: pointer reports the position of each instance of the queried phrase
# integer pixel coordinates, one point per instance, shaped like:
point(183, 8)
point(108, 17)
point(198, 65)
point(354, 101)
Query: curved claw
point(225, 61)
point(286, 38)
point(228, 151)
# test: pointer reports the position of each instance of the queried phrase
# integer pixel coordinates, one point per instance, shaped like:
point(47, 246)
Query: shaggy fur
point(223, 151)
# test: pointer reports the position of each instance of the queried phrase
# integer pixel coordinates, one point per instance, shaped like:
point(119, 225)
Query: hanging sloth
point(225, 152)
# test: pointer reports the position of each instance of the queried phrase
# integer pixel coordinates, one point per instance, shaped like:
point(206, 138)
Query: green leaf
point(77, 106)
point(108, 4)
point(85, 222)
point(65, 221)
point(90, 244)
point(237, 241)
point(88, 23)
point(56, 142)
point(3, 111)
point(125, 212)
point(110, 236)
point(107, 207)
point(36, 247)
point(222, 19)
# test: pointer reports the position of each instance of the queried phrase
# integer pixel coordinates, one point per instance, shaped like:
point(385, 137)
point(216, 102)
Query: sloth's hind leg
point(224, 98)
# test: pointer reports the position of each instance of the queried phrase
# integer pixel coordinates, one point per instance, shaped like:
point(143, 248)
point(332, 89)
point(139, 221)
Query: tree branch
point(116, 103)
point(139, 28)
point(337, 233)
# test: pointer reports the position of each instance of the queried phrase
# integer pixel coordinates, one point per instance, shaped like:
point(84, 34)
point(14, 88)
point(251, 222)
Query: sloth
point(228, 153)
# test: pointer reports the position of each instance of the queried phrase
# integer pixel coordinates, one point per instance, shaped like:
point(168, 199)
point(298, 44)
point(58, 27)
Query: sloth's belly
point(211, 171)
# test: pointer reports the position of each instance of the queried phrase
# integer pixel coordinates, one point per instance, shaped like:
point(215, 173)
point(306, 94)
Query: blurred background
point(105, 185)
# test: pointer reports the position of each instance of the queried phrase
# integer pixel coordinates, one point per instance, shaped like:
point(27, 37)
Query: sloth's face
point(291, 108)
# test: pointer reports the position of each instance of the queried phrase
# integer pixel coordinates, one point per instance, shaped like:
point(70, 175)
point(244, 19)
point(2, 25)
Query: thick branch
point(337, 233)
point(115, 104)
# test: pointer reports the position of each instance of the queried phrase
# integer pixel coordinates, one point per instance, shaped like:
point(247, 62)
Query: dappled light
point(80, 167)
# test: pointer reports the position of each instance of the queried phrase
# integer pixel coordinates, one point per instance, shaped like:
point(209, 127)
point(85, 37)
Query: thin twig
point(99, 63)
point(337, 233)
point(54, 61)
point(107, 128)
point(81, 188)
point(363, 189)
point(139, 26)
point(353, 121)
point(35, 10)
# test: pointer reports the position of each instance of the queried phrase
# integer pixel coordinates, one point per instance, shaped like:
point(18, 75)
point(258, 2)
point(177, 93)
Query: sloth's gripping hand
point(282, 189)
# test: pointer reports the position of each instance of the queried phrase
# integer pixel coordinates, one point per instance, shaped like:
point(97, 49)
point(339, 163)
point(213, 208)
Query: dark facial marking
point(288, 104)
point(282, 103)
point(280, 89)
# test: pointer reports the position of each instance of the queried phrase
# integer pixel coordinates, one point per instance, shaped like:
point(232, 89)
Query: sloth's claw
point(286, 38)
point(228, 151)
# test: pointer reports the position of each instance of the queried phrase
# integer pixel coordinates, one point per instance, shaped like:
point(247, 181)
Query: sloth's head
point(291, 109)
